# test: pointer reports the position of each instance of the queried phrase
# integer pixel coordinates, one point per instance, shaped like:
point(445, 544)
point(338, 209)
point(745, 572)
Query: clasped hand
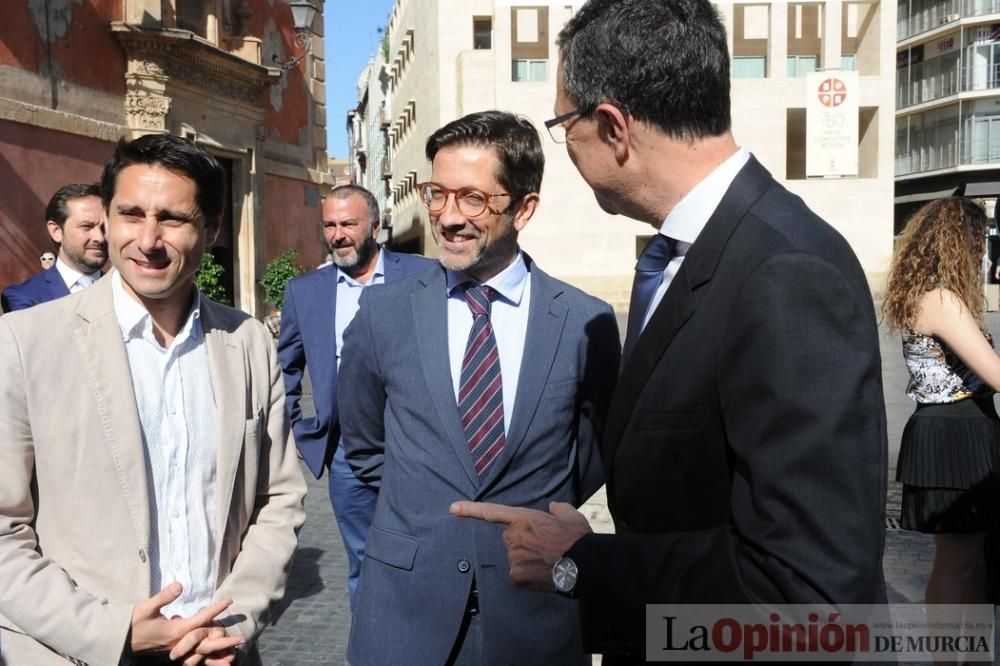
point(195, 640)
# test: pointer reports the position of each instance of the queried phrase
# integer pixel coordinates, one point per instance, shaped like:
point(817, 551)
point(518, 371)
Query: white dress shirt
point(349, 296)
point(685, 222)
point(509, 316)
point(74, 279)
point(177, 411)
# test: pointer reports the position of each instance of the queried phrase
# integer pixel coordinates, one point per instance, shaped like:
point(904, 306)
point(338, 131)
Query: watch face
point(564, 574)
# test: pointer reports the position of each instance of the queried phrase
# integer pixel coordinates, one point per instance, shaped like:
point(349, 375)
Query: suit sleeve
point(801, 397)
point(13, 299)
point(37, 596)
point(601, 359)
point(292, 356)
point(362, 398)
point(259, 573)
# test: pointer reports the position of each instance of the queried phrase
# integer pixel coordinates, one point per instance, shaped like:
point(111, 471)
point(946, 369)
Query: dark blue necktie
point(648, 276)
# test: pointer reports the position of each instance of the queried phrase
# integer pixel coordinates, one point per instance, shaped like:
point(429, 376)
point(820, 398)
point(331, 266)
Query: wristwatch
point(564, 575)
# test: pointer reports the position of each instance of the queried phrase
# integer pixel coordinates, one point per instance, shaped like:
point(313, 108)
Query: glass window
point(796, 66)
point(848, 63)
point(749, 67)
point(482, 33)
point(530, 70)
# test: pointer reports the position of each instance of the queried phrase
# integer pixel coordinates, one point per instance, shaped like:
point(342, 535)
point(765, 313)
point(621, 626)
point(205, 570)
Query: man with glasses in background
point(483, 378)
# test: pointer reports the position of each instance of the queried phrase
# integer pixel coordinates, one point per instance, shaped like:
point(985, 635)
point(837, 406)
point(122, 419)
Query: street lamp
point(303, 14)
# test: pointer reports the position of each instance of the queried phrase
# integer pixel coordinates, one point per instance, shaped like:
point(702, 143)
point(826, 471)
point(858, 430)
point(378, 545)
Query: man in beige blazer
point(122, 497)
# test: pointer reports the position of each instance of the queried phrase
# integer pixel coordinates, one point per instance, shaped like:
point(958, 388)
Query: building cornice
point(181, 56)
point(40, 116)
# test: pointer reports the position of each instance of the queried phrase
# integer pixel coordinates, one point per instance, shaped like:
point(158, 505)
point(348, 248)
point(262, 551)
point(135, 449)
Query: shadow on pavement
point(304, 580)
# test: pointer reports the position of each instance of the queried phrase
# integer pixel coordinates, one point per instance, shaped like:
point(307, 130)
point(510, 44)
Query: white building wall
point(570, 236)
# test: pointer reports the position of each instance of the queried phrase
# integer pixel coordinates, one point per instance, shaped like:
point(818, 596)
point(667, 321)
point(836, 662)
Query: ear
point(55, 232)
point(524, 212)
point(375, 229)
point(613, 128)
point(212, 232)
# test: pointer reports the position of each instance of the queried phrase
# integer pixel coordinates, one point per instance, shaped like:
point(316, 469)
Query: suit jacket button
point(142, 555)
point(464, 566)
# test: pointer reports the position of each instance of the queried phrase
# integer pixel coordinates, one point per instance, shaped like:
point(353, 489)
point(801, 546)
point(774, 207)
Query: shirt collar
point(134, 319)
point(509, 282)
point(379, 272)
point(69, 274)
point(692, 213)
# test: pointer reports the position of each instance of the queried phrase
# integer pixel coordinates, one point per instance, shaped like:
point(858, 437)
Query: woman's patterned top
point(936, 374)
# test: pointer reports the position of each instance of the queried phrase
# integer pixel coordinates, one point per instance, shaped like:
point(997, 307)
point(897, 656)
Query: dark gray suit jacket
point(401, 430)
point(746, 443)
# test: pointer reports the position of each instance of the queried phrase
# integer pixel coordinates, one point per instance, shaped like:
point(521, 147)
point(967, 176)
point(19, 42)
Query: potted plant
point(276, 275)
point(208, 279)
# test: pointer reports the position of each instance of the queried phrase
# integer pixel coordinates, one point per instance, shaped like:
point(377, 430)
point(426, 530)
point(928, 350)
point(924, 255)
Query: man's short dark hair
point(176, 154)
point(664, 62)
point(58, 211)
point(350, 190)
point(514, 139)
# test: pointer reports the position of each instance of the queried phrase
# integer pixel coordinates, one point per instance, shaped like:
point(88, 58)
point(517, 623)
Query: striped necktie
point(648, 276)
point(480, 393)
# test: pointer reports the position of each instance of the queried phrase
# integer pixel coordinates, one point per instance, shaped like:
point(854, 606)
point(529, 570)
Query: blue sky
point(350, 30)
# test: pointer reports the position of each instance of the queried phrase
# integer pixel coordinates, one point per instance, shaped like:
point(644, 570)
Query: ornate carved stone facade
point(158, 60)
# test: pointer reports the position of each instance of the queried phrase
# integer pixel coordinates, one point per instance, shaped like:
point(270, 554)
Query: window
point(796, 66)
point(848, 63)
point(751, 30)
point(749, 67)
point(530, 70)
point(482, 33)
point(529, 43)
point(805, 39)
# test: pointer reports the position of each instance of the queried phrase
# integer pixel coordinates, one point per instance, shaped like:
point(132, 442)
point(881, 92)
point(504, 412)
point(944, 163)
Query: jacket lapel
point(391, 265)
point(682, 297)
point(102, 351)
point(56, 286)
point(320, 316)
point(233, 402)
point(546, 318)
point(430, 316)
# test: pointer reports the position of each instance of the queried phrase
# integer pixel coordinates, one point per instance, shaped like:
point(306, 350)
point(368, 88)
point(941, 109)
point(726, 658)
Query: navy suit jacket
point(308, 337)
point(402, 431)
point(746, 441)
point(41, 287)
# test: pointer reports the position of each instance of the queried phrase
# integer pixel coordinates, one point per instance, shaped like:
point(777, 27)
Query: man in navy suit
point(318, 307)
point(75, 223)
point(746, 443)
point(482, 378)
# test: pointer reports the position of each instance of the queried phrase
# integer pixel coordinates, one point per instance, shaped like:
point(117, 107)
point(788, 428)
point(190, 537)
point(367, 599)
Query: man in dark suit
point(746, 446)
point(75, 224)
point(483, 378)
point(317, 309)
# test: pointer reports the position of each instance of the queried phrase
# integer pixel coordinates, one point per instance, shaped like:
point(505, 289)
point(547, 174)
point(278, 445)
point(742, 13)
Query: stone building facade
point(75, 75)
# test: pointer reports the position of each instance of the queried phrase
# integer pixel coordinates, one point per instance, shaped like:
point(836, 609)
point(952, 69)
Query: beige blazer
point(74, 501)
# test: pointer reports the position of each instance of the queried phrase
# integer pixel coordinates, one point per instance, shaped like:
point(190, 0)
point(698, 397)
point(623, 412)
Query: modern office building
point(948, 102)
point(448, 58)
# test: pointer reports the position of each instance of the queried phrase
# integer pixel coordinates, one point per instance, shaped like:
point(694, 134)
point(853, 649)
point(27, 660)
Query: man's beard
point(360, 257)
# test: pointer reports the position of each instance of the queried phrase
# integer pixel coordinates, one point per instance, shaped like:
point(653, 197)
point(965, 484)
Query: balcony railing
point(948, 83)
point(956, 153)
point(942, 13)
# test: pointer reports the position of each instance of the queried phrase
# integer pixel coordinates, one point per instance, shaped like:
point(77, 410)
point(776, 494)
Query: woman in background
point(950, 452)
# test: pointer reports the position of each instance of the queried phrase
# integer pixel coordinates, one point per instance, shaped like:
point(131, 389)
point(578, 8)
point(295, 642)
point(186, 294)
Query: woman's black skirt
point(949, 464)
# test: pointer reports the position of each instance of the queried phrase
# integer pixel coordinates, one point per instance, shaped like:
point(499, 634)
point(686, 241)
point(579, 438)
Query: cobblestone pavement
point(311, 624)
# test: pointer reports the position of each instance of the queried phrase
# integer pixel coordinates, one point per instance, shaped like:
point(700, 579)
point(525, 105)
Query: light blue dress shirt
point(509, 316)
point(349, 297)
